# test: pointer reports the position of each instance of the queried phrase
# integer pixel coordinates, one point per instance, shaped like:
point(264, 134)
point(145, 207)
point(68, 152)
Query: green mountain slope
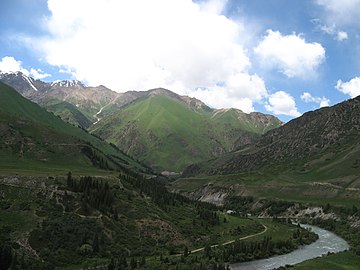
point(326, 133)
point(34, 139)
point(92, 221)
point(67, 112)
point(315, 157)
point(254, 122)
point(170, 133)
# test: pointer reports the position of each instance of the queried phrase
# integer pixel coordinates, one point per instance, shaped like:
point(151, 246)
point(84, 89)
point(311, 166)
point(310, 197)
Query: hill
point(34, 139)
point(169, 131)
point(89, 101)
point(185, 127)
point(314, 158)
point(92, 102)
point(67, 111)
point(321, 134)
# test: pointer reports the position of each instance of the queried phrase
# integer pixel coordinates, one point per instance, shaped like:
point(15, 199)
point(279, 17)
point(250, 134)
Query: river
point(327, 242)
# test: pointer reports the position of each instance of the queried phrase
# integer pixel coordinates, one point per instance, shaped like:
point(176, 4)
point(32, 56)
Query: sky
point(274, 56)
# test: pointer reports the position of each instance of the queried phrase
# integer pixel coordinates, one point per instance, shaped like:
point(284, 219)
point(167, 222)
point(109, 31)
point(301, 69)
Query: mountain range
point(35, 139)
point(170, 132)
point(326, 139)
point(252, 163)
point(160, 128)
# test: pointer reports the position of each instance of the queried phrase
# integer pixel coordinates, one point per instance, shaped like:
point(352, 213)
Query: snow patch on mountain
point(29, 81)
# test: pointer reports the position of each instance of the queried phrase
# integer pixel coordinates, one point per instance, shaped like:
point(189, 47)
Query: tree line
point(95, 193)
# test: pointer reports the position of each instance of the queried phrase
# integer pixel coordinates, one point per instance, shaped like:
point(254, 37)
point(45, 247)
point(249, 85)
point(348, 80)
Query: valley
point(85, 189)
point(158, 127)
point(179, 135)
point(164, 225)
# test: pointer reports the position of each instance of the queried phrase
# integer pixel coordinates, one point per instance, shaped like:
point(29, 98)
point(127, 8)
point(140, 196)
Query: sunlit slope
point(167, 133)
point(68, 112)
point(324, 141)
point(314, 158)
point(34, 139)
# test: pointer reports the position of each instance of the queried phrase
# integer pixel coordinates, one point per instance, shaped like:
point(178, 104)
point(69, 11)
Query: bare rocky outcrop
point(209, 193)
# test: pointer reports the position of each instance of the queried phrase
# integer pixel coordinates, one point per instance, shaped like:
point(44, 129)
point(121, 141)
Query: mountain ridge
point(182, 122)
point(32, 135)
point(171, 133)
point(316, 132)
point(89, 100)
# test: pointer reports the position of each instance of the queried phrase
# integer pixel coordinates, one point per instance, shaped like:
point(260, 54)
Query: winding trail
point(230, 242)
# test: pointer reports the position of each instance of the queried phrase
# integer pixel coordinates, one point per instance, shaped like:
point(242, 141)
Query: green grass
point(339, 261)
point(142, 227)
point(167, 133)
point(331, 177)
point(183, 217)
point(277, 231)
point(68, 112)
point(226, 229)
point(232, 117)
point(35, 140)
point(160, 120)
point(17, 211)
point(24, 206)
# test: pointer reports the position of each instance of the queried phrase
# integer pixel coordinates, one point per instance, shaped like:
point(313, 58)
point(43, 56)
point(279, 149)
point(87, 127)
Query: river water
point(327, 242)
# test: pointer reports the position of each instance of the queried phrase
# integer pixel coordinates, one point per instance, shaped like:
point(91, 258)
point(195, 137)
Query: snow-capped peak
point(10, 73)
point(19, 74)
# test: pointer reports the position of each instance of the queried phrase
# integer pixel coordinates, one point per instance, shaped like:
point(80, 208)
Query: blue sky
point(275, 56)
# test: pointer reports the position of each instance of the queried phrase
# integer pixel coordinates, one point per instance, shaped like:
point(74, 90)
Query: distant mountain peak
point(196, 103)
point(9, 72)
point(18, 75)
point(4, 74)
point(67, 83)
point(162, 91)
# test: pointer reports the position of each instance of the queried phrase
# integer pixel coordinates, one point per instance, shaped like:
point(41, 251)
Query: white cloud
point(243, 85)
point(38, 73)
point(291, 54)
point(330, 30)
point(345, 12)
point(218, 97)
point(351, 88)
point(282, 103)
point(139, 44)
point(10, 64)
point(213, 6)
point(341, 36)
point(322, 101)
point(143, 44)
point(238, 91)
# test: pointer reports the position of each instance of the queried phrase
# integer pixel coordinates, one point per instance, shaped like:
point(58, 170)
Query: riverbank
point(340, 261)
point(327, 242)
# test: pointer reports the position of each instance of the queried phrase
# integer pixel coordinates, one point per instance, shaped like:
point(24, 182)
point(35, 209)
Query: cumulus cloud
point(322, 101)
point(351, 88)
point(180, 45)
point(291, 54)
point(10, 64)
point(282, 103)
point(38, 73)
point(239, 91)
point(138, 44)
